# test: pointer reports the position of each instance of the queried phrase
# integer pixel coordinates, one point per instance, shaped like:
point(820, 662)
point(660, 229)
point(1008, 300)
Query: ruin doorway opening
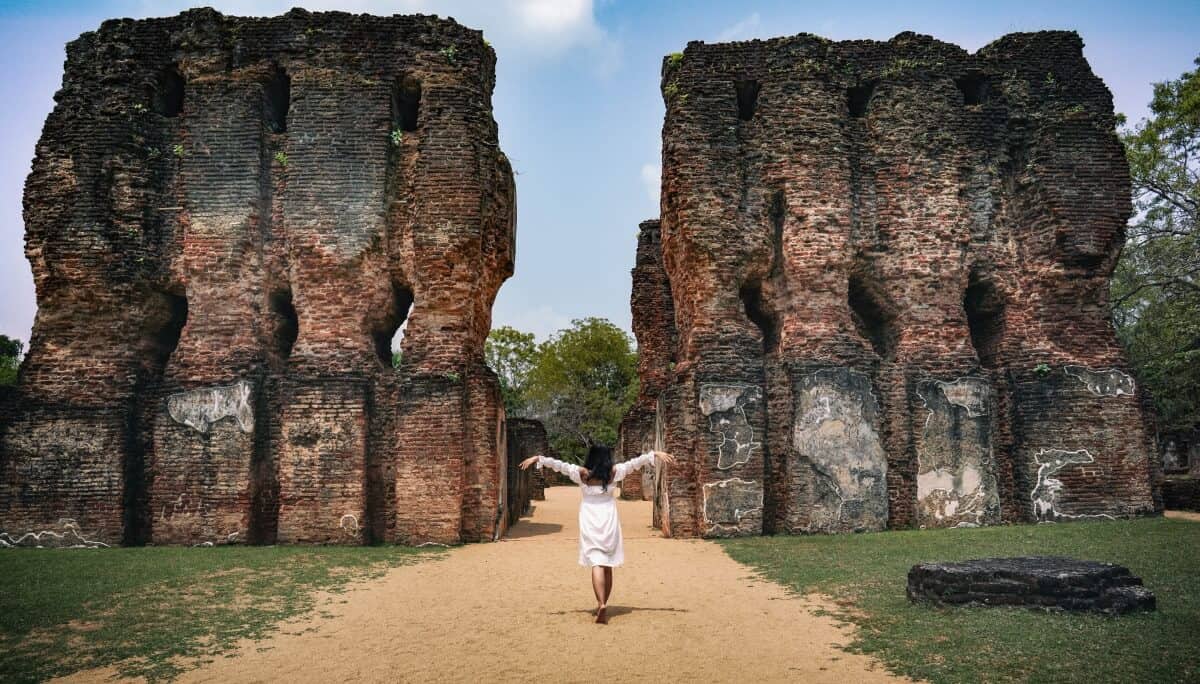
point(873, 318)
point(389, 332)
point(747, 98)
point(975, 88)
point(760, 315)
point(858, 99)
point(984, 308)
point(406, 104)
point(277, 101)
point(167, 96)
point(160, 334)
point(285, 324)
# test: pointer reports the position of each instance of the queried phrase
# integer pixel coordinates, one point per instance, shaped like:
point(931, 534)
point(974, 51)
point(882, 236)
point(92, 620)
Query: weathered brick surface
point(227, 220)
point(654, 328)
point(525, 438)
point(871, 249)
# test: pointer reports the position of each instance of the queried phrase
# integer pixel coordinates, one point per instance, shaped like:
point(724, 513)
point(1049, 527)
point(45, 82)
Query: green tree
point(511, 354)
point(583, 381)
point(1156, 286)
point(10, 358)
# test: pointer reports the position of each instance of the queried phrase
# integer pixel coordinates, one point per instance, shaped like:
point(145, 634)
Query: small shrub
point(281, 157)
point(451, 376)
point(178, 151)
point(397, 136)
point(674, 59)
point(1042, 370)
point(449, 52)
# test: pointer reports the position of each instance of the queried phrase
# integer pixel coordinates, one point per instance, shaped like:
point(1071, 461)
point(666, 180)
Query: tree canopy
point(1156, 285)
point(579, 382)
point(10, 358)
point(512, 355)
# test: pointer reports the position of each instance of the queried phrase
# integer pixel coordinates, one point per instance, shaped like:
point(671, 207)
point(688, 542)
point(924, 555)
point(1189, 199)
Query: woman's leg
point(598, 576)
point(608, 583)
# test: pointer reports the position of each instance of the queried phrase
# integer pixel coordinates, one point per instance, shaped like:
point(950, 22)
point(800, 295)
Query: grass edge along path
point(154, 612)
point(866, 574)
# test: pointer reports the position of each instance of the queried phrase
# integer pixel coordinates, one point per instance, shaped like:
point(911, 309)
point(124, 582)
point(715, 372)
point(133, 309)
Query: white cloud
point(521, 28)
point(746, 28)
point(652, 179)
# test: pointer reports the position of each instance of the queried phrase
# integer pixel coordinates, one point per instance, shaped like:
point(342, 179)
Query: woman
point(600, 544)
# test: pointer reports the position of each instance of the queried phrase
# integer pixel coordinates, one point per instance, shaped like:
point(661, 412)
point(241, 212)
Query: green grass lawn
point(866, 574)
point(151, 611)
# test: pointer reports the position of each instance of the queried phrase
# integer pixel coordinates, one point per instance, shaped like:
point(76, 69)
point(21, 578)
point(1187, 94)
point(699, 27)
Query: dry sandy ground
point(520, 610)
point(1183, 515)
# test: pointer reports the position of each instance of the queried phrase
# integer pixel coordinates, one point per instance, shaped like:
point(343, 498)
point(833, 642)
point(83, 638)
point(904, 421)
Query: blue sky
point(579, 109)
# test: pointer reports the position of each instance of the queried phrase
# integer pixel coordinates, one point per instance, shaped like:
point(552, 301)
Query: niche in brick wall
point(406, 103)
point(164, 328)
point(277, 94)
point(975, 88)
point(858, 99)
point(286, 324)
point(166, 315)
point(747, 98)
point(389, 332)
point(168, 92)
point(873, 319)
point(985, 319)
point(760, 315)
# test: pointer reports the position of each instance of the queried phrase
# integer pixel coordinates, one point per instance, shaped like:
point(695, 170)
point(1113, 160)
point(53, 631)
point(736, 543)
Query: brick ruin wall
point(887, 266)
point(227, 220)
point(526, 438)
point(654, 328)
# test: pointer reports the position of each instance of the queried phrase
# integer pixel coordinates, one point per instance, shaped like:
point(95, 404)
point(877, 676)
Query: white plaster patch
point(732, 489)
point(1045, 493)
point(725, 407)
point(200, 408)
point(68, 535)
point(969, 393)
point(1109, 382)
point(963, 495)
point(833, 433)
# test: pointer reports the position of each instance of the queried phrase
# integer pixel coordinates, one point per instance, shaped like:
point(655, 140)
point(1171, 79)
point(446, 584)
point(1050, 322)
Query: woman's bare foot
point(602, 615)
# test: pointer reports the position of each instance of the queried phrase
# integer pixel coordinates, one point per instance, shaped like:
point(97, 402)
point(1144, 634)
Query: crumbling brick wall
point(228, 219)
point(526, 437)
point(889, 269)
point(654, 328)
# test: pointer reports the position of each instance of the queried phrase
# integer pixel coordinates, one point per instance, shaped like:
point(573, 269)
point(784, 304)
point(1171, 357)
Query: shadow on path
point(526, 528)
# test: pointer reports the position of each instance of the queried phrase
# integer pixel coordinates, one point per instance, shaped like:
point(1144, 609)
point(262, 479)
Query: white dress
point(599, 529)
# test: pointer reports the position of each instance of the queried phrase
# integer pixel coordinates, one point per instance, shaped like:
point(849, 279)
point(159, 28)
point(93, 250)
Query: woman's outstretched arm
point(569, 469)
point(620, 470)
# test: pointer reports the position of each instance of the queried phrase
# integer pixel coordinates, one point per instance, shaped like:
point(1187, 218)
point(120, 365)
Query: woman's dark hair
point(599, 464)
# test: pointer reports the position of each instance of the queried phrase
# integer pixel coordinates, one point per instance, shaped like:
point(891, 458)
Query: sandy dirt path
point(520, 610)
